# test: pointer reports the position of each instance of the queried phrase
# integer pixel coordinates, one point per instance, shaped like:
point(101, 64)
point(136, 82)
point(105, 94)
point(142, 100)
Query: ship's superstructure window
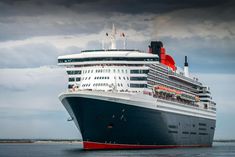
point(107, 59)
point(139, 71)
point(133, 85)
point(71, 79)
point(75, 72)
point(70, 86)
point(138, 78)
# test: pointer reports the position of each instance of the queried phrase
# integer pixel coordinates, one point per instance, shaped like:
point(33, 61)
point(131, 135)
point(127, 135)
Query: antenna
point(124, 40)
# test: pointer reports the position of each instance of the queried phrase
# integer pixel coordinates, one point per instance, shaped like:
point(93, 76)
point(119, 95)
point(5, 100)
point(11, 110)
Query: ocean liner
point(129, 99)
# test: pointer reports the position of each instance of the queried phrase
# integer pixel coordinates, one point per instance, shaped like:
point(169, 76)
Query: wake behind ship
point(128, 99)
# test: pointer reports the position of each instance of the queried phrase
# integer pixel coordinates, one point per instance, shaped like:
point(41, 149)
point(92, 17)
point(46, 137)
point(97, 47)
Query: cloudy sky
point(33, 33)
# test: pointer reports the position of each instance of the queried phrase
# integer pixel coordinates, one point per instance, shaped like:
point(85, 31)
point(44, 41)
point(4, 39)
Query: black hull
point(114, 123)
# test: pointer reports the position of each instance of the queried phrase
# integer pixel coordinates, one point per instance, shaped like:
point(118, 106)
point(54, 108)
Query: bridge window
point(139, 71)
point(132, 85)
point(138, 78)
point(106, 59)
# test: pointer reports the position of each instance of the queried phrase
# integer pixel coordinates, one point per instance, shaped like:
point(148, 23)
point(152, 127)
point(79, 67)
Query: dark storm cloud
point(205, 55)
point(178, 22)
point(124, 6)
point(21, 19)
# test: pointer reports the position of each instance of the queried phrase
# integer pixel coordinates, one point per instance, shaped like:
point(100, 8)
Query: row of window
point(72, 79)
point(139, 71)
point(159, 79)
point(200, 128)
point(155, 73)
point(75, 72)
point(107, 59)
point(185, 132)
point(205, 96)
point(103, 77)
point(133, 85)
point(124, 78)
point(86, 85)
point(138, 78)
point(102, 70)
point(86, 78)
point(100, 84)
point(70, 72)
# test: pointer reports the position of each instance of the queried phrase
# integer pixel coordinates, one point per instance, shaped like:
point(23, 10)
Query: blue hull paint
point(110, 122)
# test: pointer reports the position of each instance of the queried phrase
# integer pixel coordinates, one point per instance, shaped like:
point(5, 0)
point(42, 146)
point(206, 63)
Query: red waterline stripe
point(87, 145)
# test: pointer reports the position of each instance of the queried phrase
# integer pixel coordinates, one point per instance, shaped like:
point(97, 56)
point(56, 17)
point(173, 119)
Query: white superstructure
point(120, 70)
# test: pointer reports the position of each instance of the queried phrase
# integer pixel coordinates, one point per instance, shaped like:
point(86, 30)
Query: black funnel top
point(186, 61)
point(156, 48)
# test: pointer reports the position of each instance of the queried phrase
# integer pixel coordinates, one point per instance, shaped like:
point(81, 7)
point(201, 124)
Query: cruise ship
point(130, 99)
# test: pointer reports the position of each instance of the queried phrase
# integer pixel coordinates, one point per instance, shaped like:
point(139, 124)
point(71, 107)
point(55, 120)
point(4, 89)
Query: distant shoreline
point(24, 141)
point(232, 140)
point(68, 141)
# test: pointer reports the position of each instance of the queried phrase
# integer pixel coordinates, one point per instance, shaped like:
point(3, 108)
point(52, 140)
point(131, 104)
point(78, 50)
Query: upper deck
point(108, 57)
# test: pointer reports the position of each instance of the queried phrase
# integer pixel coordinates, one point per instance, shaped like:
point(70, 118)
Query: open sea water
point(219, 149)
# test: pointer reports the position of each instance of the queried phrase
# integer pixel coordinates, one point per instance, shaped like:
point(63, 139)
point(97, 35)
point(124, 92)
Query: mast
point(113, 38)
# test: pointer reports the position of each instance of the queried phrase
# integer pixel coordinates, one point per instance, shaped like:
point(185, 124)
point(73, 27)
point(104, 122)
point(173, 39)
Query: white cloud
point(35, 88)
